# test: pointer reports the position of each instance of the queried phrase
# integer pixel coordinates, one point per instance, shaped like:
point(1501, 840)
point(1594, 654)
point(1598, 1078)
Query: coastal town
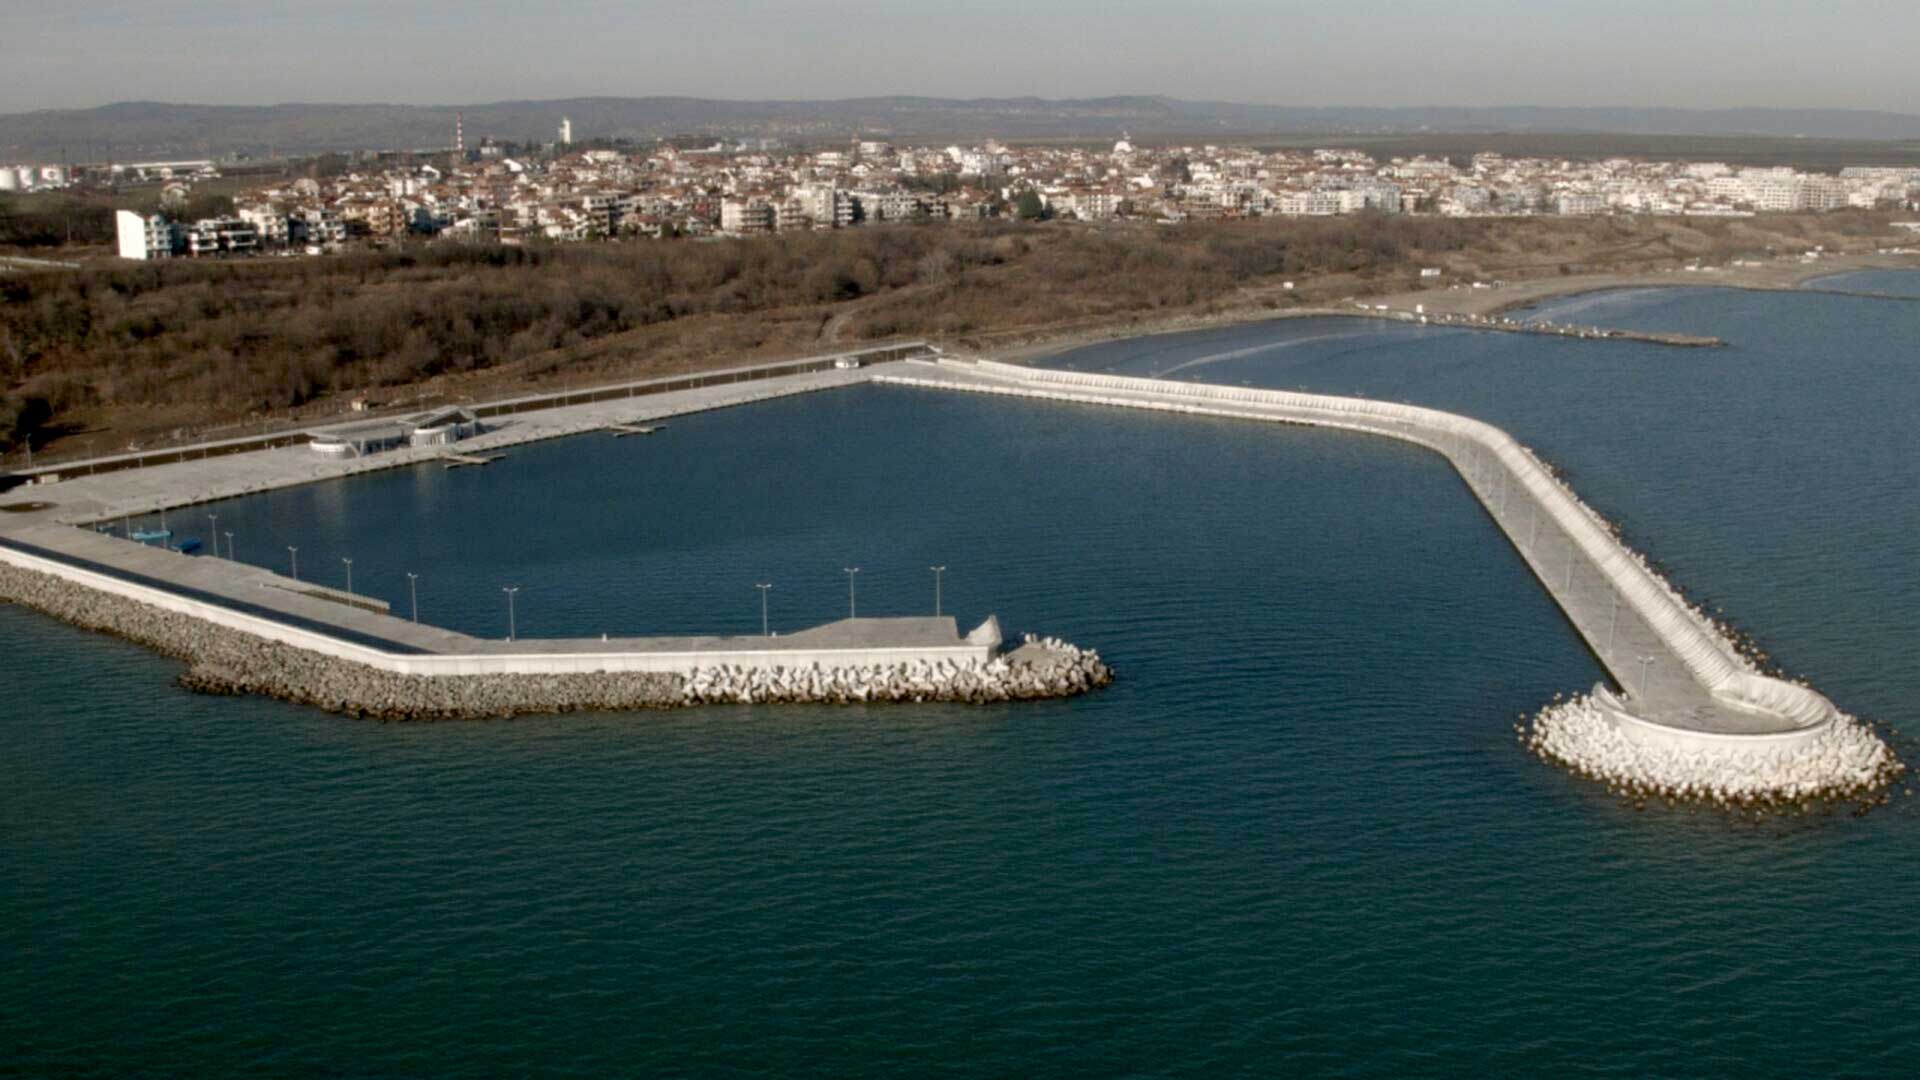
point(494, 192)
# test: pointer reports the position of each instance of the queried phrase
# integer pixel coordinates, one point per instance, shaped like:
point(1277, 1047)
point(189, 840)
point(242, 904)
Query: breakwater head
point(1689, 717)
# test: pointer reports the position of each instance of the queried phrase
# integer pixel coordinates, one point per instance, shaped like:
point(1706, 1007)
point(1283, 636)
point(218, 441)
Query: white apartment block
point(143, 236)
point(1579, 202)
point(316, 227)
point(268, 223)
point(746, 216)
point(1310, 203)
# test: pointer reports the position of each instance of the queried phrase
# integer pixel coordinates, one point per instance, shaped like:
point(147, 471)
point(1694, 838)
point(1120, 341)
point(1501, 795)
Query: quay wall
point(1496, 467)
point(488, 410)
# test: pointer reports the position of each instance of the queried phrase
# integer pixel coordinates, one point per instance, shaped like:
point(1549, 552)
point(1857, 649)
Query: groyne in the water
point(1686, 694)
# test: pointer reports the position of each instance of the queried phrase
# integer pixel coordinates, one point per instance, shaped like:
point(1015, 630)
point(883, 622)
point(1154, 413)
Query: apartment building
point(222, 236)
point(744, 217)
point(144, 236)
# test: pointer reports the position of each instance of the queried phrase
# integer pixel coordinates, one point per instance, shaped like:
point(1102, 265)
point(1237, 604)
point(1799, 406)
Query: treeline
point(256, 335)
point(236, 337)
point(54, 220)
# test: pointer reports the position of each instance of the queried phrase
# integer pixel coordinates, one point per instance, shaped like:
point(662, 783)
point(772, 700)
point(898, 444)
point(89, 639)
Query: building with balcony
point(144, 236)
point(221, 236)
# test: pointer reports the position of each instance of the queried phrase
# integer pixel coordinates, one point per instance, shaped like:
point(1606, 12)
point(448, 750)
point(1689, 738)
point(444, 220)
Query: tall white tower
point(566, 132)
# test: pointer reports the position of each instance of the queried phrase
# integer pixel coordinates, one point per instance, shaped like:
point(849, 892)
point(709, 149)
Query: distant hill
point(147, 129)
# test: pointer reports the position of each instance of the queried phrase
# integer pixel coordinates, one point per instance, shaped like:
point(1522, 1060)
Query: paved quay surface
point(107, 496)
point(241, 587)
point(1663, 687)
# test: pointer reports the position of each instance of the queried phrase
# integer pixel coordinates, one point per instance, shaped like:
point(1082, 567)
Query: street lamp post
point(1646, 664)
point(213, 528)
point(1613, 621)
point(937, 571)
point(229, 545)
point(349, 563)
point(413, 593)
point(763, 587)
point(510, 591)
point(852, 607)
point(293, 553)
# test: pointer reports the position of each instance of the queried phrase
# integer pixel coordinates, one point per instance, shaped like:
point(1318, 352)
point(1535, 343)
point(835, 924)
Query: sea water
point(1295, 837)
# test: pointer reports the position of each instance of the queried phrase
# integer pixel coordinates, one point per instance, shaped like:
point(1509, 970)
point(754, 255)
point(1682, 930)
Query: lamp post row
point(413, 588)
point(853, 608)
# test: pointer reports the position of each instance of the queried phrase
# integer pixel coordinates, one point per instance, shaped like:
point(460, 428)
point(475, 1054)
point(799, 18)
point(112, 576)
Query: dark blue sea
point(1296, 837)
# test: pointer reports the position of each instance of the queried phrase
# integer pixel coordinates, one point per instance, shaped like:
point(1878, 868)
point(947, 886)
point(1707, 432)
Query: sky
point(1691, 53)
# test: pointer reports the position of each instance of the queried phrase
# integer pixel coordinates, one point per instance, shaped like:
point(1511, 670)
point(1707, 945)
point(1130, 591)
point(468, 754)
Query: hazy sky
point(1705, 53)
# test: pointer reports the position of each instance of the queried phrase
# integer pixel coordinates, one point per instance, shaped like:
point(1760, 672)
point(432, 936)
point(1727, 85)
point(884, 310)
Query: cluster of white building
point(1217, 182)
point(251, 231)
point(42, 177)
point(571, 195)
point(34, 177)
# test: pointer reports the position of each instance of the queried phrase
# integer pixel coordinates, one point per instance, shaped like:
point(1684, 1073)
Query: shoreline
point(1025, 344)
point(1782, 276)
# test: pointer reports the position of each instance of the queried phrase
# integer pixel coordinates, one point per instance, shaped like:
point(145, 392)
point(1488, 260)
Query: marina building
point(441, 427)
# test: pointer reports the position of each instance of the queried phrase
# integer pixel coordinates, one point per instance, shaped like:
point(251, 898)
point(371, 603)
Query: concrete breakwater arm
point(1710, 700)
point(247, 629)
point(1492, 461)
point(247, 648)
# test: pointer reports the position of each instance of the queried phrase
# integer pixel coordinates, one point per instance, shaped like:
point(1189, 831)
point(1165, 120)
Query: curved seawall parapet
point(1687, 690)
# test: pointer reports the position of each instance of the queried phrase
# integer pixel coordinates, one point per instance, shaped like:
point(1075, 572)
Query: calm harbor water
point(1295, 837)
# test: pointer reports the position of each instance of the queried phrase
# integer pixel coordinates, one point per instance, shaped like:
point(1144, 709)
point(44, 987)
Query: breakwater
point(225, 660)
point(243, 629)
point(1498, 323)
point(1692, 713)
